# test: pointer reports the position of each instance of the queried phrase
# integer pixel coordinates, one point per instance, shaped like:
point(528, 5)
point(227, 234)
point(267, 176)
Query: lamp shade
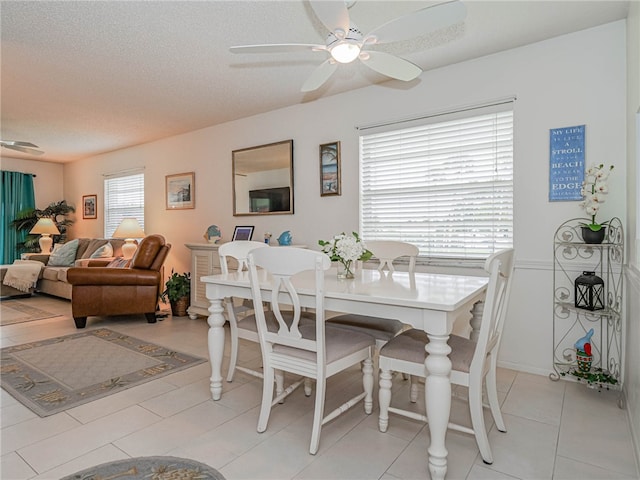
point(45, 225)
point(129, 228)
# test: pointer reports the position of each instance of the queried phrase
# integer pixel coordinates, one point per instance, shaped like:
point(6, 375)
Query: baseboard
point(634, 434)
point(524, 368)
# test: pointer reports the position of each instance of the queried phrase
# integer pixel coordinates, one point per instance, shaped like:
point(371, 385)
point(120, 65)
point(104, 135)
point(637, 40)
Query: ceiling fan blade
point(391, 66)
point(21, 144)
point(276, 48)
point(333, 14)
point(319, 75)
point(420, 22)
point(18, 148)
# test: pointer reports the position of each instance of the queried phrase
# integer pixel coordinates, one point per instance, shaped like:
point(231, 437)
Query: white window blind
point(445, 186)
point(123, 197)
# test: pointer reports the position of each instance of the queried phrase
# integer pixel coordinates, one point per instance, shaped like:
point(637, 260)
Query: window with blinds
point(123, 197)
point(444, 184)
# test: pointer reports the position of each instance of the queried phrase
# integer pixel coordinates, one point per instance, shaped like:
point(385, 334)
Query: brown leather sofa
point(104, 291)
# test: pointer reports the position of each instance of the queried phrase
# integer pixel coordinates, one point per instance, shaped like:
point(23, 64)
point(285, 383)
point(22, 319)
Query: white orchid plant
point(346, 249)
point(594, 190)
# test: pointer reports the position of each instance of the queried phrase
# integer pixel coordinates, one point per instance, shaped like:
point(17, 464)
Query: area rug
point(53, 375)
point(18, 311)
point(149, 468)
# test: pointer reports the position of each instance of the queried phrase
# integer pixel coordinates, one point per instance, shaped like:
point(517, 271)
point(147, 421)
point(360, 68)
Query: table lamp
point(129, 229)
point(45, 227)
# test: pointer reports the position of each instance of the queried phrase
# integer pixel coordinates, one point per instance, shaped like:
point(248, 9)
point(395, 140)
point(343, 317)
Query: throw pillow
point(104, 251)
point(118, 263)
point(65, 255)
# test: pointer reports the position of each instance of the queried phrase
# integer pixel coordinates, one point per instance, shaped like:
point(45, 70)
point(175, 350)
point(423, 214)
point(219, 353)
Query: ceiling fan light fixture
point(345, 51)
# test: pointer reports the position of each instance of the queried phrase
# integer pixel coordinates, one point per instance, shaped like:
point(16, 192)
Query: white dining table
point(430, 302)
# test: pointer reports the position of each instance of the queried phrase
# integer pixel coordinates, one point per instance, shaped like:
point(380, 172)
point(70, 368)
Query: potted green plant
point(60, 212)
point(177, 291)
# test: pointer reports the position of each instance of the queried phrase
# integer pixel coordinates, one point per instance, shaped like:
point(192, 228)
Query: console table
point(204, 261)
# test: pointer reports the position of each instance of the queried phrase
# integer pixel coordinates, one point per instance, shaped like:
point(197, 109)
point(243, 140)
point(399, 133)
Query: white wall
point(571, 80)
point(632, 366)
point(48, 183)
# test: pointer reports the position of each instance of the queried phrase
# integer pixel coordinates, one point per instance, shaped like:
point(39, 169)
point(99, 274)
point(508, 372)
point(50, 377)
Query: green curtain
point(17, 195)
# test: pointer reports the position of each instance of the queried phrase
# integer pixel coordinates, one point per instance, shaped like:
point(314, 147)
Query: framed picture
point(566, 163)
point(330, 169)
point(181, 191)
point(242, 233)
point(89, 206)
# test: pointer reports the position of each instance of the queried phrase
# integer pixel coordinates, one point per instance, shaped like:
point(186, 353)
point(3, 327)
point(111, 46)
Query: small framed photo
point(181, 191)
point(242, 233)
point(330, 169)
point(89, 206)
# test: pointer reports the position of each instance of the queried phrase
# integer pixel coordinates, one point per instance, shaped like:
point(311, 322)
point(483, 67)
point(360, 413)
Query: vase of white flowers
point(594, 190)
point(346, 250)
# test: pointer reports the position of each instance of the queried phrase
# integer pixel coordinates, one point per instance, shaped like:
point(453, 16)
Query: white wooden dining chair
point(473, 363)
point(241, 323)
point(312, 350)
point(382, 329)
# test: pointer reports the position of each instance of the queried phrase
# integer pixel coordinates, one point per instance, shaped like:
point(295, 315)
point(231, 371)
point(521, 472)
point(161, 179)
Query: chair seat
point(249, 322)
point(409, 347)
point(379, 328)
point(338, 343)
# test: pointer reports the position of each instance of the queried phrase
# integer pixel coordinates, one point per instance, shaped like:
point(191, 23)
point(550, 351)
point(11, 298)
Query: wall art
point(566, 163)
point(181, 191)
point(330, 169)
point(89, 206)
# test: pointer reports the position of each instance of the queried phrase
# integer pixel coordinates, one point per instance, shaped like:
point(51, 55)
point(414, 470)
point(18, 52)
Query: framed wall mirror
point(263, 179)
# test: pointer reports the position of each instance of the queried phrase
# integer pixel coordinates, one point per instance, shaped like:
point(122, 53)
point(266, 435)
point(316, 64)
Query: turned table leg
point(438, 401)
point(216, 345)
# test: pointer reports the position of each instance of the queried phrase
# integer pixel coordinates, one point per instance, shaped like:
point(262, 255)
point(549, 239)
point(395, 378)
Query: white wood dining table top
point(433, 291)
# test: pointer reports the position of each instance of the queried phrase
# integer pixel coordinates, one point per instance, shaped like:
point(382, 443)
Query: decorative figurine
point(580, 344)
point(583, 352)
point(267, 238)
point(285, 238)
point(213, 235)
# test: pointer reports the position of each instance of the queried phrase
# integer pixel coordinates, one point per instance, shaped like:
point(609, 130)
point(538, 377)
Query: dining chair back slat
point(387, 251)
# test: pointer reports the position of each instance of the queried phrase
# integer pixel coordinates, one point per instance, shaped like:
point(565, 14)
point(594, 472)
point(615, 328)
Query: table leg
point(216, 345)
point(438, 401)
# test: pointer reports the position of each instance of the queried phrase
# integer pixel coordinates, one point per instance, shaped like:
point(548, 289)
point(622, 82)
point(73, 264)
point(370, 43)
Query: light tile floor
point(559, 430)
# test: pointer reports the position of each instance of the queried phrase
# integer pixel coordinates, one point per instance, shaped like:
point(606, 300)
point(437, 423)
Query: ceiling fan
point(345, 43)
point(24, 147)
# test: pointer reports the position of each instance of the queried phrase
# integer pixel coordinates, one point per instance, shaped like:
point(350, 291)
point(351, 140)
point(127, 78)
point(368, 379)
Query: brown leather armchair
point(104, 291)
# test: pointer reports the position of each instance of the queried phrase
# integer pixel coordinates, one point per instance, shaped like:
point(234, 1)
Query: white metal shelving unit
point(571, 257)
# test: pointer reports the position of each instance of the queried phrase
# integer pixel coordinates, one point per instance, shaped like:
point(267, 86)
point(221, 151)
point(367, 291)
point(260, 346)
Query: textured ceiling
point(83, 78)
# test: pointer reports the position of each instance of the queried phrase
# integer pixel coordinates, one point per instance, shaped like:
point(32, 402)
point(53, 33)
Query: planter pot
point(584, 361)
point(179, 307)
point(589, 236)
